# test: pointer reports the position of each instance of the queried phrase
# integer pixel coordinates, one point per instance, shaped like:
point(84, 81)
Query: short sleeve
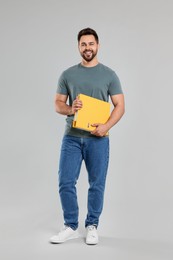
point(62, 85)
point(115, 85)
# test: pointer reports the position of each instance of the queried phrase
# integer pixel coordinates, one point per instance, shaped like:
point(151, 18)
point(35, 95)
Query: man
point(96, 80)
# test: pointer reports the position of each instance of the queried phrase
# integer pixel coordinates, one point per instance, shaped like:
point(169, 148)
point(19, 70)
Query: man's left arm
point(116, 114)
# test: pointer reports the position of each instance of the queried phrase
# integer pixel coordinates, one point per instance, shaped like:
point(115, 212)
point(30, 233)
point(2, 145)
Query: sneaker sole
point(92, 243)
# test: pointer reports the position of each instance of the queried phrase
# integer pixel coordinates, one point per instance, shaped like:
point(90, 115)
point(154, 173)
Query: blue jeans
point(95, 153)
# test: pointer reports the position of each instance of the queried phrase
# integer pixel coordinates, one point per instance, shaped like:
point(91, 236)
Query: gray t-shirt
point(98, 82)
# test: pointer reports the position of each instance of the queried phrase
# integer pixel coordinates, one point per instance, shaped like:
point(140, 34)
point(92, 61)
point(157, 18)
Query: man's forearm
point(115, 116)
point(63, 109)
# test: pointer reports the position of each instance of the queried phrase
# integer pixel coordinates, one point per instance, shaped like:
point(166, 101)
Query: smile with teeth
point(88, 52)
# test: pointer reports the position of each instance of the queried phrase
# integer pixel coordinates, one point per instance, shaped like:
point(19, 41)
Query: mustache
point(87, 51)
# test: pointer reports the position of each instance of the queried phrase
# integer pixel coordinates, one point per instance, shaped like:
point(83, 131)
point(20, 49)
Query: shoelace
point(64, 228)
point(91, 228)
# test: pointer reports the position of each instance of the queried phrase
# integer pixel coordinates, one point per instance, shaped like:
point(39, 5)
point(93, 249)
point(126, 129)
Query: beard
point(88, 56)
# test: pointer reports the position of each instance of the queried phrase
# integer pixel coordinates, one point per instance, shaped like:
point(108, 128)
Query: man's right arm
point(62, 108)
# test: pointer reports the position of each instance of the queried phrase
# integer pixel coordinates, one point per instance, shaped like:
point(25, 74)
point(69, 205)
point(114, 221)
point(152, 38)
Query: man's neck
point(92, 63)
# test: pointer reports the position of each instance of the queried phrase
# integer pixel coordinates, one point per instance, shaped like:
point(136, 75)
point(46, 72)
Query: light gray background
point(38, 41)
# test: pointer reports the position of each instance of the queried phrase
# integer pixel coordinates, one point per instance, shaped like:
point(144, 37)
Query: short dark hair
point(88, 31)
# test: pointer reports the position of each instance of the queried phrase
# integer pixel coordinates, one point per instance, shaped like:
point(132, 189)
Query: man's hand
point(100, 130)
point(77, 105)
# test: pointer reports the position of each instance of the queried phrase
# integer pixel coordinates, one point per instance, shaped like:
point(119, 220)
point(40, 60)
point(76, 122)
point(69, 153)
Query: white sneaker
point(92, 235)
point(65, 234)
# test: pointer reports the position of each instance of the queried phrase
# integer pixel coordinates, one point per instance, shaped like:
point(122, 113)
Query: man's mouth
point(88, 52)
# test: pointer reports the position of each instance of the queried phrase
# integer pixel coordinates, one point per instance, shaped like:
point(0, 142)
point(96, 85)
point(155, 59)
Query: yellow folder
point(93, 111)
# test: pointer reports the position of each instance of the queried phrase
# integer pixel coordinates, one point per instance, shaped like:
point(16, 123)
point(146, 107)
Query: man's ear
point(78, 46)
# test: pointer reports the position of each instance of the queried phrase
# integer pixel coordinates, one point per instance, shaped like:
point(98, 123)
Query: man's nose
point(87, 47)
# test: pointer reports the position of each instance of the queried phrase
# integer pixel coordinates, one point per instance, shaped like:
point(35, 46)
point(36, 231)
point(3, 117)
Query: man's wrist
point(70, 112)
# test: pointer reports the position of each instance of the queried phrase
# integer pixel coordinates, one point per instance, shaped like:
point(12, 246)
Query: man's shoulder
point(106, 68)
point(71, 69)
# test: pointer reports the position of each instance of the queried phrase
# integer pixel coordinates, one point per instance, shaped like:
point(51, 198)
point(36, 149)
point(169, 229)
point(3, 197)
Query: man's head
point(88, 43)
point(88, 31)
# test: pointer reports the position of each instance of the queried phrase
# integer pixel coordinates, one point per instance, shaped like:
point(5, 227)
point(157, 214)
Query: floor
point(26, 243)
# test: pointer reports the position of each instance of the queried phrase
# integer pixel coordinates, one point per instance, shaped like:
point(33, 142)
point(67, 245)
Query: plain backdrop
point(38, 40)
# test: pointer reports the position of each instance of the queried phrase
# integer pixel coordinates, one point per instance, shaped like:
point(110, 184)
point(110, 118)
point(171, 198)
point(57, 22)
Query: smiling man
point(92, 78)
point(88, 48)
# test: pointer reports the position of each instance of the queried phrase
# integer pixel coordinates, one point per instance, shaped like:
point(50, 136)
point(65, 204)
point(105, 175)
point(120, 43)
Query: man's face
point(88, 47)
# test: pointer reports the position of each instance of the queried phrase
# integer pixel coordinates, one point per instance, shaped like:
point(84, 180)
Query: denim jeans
point(94, 151)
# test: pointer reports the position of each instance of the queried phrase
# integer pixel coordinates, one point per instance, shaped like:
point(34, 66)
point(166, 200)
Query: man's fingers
point(77, 104)
point(96, 124)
